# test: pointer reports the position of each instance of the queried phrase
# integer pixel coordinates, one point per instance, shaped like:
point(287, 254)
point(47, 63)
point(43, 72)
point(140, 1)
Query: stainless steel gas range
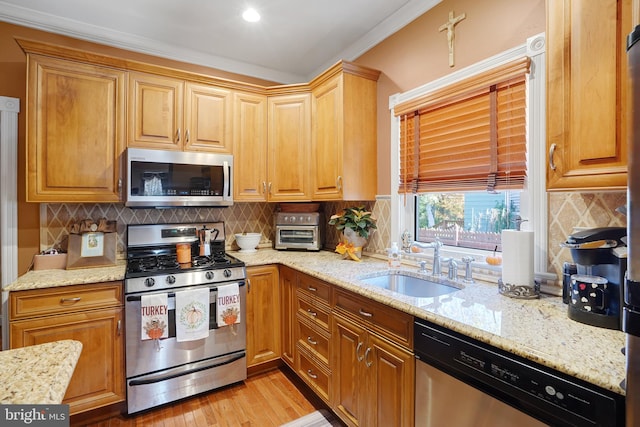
point(163, 362)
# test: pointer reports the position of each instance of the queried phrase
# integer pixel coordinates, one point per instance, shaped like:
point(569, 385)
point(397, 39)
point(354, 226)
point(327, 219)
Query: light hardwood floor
point(267, 399)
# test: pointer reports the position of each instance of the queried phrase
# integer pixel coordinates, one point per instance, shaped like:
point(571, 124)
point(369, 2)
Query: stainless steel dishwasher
point(463, 382)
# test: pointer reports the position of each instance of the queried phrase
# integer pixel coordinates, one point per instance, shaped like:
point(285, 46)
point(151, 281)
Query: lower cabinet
point(288, 283)
point(373, 378)
point(92, 314)
point(263, 315)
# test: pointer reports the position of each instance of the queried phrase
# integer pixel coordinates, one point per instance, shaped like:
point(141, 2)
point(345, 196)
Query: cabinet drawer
point(310, 309)
point(314, 287)
point(313, 373)
point(65, 299)
point(388, 322)
point(313, 339)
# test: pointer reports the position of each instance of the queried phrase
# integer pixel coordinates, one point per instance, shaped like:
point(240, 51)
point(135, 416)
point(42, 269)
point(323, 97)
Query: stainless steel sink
point(407, 284)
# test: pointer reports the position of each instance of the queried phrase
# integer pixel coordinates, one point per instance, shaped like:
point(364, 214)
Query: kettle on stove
point(594, 293)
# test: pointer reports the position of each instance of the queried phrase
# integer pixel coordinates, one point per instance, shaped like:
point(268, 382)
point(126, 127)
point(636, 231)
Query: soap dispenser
point(394, 255)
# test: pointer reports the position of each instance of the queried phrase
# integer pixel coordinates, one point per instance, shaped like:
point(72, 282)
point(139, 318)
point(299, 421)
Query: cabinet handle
point(312, 289)
point(269, 188)
point(120, 187)
point(119, 328)
point(178, 135)
point(311, 374)
point(365, 313)
point(312, 341)
point(339, 182)
point(366, 357)
point(248, 285)
point(264, 187)
point(358, 352)
point(65, 300)
point(552, 150)
point(313, 313)
point(187, 136)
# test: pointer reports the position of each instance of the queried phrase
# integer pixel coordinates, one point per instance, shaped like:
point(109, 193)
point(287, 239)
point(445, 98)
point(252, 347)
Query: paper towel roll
point(517, 257)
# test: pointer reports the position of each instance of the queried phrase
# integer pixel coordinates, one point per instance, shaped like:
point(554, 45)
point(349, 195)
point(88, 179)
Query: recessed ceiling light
point(251, 15)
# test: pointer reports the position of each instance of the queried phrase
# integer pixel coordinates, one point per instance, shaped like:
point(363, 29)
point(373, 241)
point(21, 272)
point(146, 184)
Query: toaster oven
point(301, 231)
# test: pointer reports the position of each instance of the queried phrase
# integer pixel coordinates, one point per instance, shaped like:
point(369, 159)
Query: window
point(431, 180)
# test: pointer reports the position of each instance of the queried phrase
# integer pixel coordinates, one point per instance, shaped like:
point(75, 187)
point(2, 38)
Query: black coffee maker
point(595, 292)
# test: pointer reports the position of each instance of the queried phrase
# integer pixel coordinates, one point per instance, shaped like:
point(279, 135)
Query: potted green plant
point(355, 224)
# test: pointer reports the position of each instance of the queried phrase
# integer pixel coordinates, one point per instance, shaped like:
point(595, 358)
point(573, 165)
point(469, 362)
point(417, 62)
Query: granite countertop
point(538, 329)
point(52, 278)
point(38, 374)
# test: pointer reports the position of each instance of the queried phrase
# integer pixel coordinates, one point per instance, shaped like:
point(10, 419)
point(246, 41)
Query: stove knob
point(149, 282)
point(209, 275)
point(171, 280)
point(227, 273)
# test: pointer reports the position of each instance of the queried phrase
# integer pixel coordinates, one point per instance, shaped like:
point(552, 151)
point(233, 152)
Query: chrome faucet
point(468, 275)
point(435, 245)
point(452, 274)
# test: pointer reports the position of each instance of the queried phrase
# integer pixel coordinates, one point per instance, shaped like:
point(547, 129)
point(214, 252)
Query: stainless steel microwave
point(162, 178)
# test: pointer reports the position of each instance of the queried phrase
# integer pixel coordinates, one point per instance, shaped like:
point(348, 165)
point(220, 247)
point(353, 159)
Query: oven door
point(145, 356)
point(298, 237)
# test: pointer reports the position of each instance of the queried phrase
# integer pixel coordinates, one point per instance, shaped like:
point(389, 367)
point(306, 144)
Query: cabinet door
point(207, 119)
point(263, 315)
point(288, 279)
point(155, 112)
point(587, 94)
point(349, 387)
point(250, 147)
point(98, 379)
point(327, 139)
point(391, 371)
point(75, 131)
point(288, 147)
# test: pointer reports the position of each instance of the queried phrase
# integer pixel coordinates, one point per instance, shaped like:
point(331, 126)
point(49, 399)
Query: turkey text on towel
point(228, 305)
point(192, 314)
point(154, 315)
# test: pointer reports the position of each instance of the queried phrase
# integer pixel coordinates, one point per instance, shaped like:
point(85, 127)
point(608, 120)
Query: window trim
point(534, 200)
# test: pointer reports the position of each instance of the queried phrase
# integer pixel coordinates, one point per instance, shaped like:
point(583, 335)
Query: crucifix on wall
point(451, 35)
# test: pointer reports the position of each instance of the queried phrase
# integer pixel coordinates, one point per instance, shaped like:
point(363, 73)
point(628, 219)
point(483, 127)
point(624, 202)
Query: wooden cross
point(451, 35)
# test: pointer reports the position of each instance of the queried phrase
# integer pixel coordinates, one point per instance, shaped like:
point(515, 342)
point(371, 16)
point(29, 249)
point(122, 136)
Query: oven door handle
point(181, 373)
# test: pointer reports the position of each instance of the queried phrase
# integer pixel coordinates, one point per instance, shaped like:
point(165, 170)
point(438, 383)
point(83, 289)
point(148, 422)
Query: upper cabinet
point(250, 147)
point(75, 130)
point(174, 114)
point(587, 94)
point(291, 143)
point(343, 141)
point(289, 136)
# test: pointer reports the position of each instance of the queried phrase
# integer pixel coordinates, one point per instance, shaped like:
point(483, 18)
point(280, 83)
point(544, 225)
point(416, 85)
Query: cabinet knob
point(552, 150)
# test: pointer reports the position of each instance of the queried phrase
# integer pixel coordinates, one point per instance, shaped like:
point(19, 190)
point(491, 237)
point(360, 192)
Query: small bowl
point(248, 241)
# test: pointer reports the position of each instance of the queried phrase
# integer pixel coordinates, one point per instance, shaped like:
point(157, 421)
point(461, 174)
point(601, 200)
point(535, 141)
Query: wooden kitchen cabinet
point(92, 314)
point(75, 129)
point(343, 141)
point(174, 114)
point(313, 335)
point(587, 94)
point(289, 136)
point(263, 316)
point(372, 374)
point(250, 147)
point(288, 285)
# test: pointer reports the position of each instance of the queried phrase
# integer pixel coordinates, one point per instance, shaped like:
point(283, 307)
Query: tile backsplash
point(56, 220)
point(566, 211)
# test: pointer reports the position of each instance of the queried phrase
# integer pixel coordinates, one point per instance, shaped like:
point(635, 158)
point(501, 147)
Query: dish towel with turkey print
point(192, 314)
point(154, 315)
point(228, 305)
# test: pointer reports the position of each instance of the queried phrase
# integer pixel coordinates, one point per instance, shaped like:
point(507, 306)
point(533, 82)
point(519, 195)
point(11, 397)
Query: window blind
point(468, 136)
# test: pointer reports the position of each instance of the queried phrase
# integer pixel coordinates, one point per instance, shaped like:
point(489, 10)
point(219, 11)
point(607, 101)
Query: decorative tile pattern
point(566, 211)
point(589, 210)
